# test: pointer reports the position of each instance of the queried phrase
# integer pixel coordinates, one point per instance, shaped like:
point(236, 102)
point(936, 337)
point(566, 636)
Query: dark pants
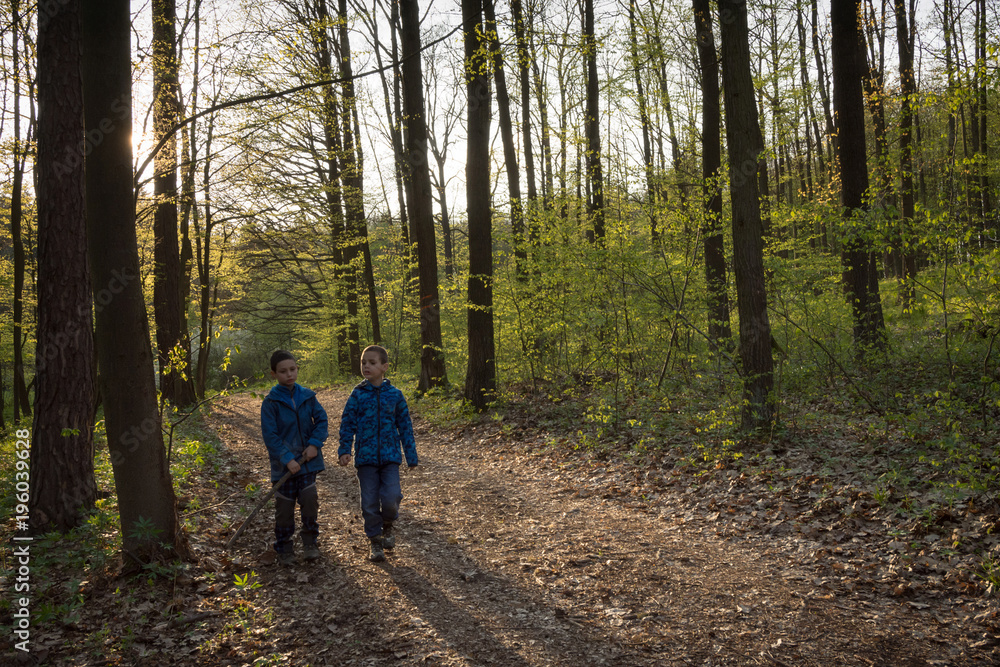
point(380, 496)
point(301, 488)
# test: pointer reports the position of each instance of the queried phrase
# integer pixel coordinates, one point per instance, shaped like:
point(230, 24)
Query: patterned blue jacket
point(290, 421)
point(376, 421)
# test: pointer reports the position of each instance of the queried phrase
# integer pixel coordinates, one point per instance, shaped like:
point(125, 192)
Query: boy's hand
point(293, 466)
point(344, 460)
point(310, 453)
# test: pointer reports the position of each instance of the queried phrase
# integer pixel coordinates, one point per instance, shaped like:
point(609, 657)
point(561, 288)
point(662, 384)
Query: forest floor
point(513, 553)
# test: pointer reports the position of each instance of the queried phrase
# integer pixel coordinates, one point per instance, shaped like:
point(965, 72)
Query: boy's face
point(286, 373)
point(372, 367)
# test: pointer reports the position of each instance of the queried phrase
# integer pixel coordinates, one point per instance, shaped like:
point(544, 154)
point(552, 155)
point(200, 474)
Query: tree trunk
point(22, 403)
point(432, 366)
point(592, 124)
point(62, 450)
point(506, 136)
point(821, 81)
point(982, 92)
point(357, 228)
point(175, 377)
point(647, 148)
point(908, 89)
point(849, 70)
point(480, 378)
point(524, 79)
point(745, 147)
point(142, 477)
point(719, 331)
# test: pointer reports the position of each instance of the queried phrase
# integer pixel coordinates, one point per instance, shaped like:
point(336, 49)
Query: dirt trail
point(508, 558)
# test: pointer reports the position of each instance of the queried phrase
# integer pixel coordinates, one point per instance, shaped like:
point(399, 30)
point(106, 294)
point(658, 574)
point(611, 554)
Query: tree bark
point(22, 403)
point(907, 91)
point(506, 135)
point(849, 70)
point(647, 149)
point(142, 477)
point(357, 228)
point(432, 366)
point(173, 359)
point(62, 450)
point(592, 123)
point(719, 330)
point(745, 147)
point(480, 378)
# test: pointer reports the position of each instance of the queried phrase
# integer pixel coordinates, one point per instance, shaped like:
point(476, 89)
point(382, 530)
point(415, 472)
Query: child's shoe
point(377, 555)
point(388, 539)
point(310, 553)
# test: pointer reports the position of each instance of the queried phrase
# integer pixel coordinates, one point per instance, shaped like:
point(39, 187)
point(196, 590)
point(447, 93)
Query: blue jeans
point(380, 496)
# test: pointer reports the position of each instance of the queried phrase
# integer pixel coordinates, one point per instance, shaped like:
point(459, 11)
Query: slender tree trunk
point(745, 147)
point(22, 402)
point(175, 378)
point(982, 92)
point(595, 176)
point(506, 135)
point(849, 71)
point(357, 228)
point(821, 81)
point(908, 90)
point(719, 330)
point(647, 148)
point(142, 477)
point(480, 378)
point(62, 482)
point(524, 80)
point(432, 366)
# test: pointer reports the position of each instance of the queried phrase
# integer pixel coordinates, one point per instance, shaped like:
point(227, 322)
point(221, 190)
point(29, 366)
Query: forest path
point(507, 557)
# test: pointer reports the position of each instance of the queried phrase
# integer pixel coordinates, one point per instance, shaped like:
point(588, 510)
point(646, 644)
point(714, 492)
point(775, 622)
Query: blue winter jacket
point(376, 421)
point(290, 421)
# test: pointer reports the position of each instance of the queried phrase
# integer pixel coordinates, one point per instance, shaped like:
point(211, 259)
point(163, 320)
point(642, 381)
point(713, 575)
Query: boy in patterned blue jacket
point(376, 421)
point(294, 426)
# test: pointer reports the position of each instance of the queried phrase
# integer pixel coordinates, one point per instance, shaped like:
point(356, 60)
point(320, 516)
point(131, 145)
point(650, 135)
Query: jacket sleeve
point(404, 426)
point(348, 425)
point(321, 427)
point(269, 431)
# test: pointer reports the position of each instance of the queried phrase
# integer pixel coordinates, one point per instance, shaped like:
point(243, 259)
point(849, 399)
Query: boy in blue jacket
point(294, 426)
point(376, 421)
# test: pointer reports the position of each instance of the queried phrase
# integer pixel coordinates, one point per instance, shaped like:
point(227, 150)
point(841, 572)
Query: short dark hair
point(382, 352)
point(278, 356)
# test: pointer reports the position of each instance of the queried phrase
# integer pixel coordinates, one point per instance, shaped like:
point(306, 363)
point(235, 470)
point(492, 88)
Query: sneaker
point(388, 539)
point(286, 558)
point(377, 555)
point(311, 552)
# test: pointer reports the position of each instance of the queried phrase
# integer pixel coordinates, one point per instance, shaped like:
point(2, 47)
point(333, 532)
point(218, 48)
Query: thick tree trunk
point(719, 329)
point(432, 366)
point(745, 147)
point(62, 450)
point(849, 70)
point(480, 378)
point(142, 477)
point(175, 377)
